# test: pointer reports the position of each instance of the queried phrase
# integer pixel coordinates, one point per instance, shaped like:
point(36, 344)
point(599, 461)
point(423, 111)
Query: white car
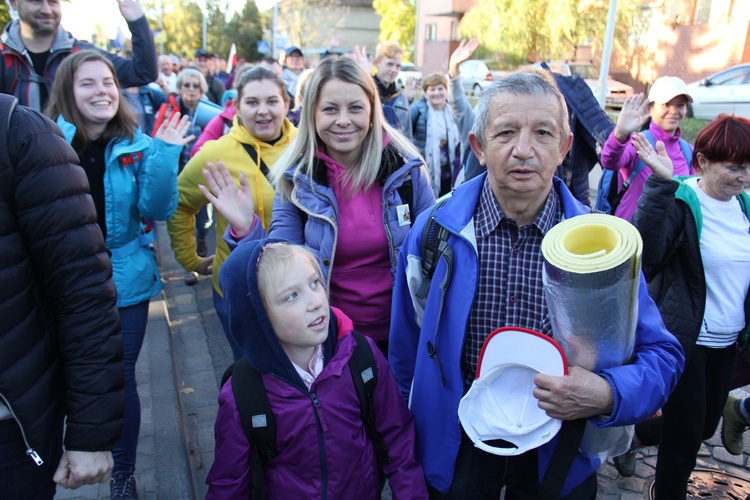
point(727, 91)
point(617, 92)
point(408, 70)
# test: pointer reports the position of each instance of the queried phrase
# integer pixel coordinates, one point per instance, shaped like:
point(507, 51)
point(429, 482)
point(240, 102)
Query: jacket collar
point(116, 147)
point(458, 212)
point(11, 37)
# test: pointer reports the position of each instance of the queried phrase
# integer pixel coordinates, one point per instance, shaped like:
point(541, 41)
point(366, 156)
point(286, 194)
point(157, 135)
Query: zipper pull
point(34, 456)
point(314, 398)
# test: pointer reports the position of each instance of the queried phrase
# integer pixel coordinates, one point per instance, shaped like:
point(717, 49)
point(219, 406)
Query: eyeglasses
point(188, 85)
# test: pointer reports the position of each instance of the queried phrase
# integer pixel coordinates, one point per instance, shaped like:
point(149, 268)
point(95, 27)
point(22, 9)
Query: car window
point(733, 76)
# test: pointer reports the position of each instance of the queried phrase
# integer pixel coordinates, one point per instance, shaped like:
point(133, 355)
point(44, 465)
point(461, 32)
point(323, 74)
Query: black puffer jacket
point(60, 348)
point(672, 260)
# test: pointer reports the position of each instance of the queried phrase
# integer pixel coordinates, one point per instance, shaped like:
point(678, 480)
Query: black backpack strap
point(257, 419)
point(434, 244)
point(562, 459)
point(261, 165)
point(365, 376)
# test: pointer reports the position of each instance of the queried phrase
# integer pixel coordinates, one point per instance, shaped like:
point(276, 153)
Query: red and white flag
point(232, 59)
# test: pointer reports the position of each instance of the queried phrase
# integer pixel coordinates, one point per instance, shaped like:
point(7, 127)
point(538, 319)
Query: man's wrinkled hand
point(580, 394)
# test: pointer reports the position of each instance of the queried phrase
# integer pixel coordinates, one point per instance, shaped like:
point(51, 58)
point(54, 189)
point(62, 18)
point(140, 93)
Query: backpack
point(609, 193)
point(259, 422)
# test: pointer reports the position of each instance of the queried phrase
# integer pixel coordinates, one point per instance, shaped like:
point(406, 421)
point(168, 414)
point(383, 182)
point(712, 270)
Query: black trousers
point(689, 417)
point(481, 475)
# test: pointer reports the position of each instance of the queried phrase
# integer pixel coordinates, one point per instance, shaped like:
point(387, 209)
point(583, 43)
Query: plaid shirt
point(509, 289)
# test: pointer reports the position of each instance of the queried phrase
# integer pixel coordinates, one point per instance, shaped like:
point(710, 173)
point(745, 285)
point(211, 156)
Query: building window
point(431, 32)
point(702, 11)
point(454, 31)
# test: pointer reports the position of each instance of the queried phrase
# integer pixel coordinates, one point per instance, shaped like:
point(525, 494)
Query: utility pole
point(606, 53)
point(275, 28)
point(205, 22)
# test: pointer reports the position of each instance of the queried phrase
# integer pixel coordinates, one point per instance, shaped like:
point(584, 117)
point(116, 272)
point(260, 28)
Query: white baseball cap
point(499, 404)
point(667, 88)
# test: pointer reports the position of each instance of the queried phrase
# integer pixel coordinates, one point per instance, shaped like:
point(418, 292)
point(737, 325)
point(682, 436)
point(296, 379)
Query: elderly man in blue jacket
point(495, 226)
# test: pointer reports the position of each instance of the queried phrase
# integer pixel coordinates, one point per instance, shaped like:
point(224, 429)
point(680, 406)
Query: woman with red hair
point(696, 256)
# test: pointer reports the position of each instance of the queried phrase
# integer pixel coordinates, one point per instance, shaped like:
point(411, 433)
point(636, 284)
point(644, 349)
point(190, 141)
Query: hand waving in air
point(131, 10)
point(173, 131)
point(658, 161)
point(462, 53)
point(634, 113)
point(234, 203)
point(360, 54)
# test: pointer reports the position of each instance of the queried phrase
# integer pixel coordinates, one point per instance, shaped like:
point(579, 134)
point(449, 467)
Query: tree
point(246, 30)
point(181, 21)
point(309, 23)
point(398, 22)
point(4, 14)
point(217, 40)
point(534, 30)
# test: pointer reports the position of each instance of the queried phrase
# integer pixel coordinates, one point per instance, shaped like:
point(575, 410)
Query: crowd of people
point(358, 307)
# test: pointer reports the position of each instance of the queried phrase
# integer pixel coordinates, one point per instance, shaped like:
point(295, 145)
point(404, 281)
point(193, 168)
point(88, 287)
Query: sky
point(80, 16)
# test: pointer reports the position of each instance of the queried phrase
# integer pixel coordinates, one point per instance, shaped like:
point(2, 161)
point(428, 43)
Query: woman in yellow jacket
point(260, 134)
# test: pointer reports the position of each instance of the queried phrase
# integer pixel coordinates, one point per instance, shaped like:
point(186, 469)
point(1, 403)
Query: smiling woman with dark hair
point(131, 178)
point(696, 256)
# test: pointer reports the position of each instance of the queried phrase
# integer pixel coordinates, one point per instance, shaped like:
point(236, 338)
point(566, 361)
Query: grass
point(691, 127)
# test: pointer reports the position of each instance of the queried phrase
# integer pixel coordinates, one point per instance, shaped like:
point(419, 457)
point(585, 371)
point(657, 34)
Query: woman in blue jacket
point(131, 177)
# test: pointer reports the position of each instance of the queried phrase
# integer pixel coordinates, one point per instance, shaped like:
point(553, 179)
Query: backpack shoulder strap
point(640, 165)
point(688, 154)
point(257, 418)
point(434, 245)
point(562, 459)
point(365, 377)
point(261, 164)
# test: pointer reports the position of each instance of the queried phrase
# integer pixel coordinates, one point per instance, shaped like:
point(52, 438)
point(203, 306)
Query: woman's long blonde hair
point(301, 152)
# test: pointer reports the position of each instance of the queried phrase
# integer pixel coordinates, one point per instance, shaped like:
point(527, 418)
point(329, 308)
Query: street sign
point(263, 47)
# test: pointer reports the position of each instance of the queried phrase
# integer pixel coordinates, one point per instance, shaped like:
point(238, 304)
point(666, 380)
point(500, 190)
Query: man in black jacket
point(60, 347)
point(33, 47)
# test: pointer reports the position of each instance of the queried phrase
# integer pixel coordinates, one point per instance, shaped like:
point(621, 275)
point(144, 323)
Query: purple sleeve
point(256, 232)
point(616, 155)
point(395, 423)
point(230, 476)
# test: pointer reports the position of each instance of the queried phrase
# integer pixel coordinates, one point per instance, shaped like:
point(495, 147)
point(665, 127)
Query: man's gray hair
point(527, 84)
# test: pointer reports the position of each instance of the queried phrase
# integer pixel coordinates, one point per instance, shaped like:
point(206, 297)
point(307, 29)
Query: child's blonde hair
point(275, 259)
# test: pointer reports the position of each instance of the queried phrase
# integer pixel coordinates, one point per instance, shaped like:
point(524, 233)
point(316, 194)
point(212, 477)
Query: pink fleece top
point(361, 281)
point(616, 156)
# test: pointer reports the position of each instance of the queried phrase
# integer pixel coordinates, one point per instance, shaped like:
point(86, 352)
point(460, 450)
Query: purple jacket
point(623, 158)
point(346, 467)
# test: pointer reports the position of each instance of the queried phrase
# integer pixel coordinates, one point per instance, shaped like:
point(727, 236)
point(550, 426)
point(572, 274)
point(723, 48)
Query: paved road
point(183, 358)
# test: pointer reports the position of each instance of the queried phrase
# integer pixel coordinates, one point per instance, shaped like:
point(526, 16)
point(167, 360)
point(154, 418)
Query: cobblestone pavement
point(178, 373)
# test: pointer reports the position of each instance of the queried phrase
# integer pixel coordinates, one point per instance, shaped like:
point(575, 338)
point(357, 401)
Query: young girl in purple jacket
point(275, 295)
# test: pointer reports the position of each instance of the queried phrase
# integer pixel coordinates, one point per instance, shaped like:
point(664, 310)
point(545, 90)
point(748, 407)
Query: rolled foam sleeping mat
point(592, 268)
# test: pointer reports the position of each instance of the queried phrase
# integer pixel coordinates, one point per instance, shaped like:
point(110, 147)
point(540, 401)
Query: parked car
point(477, 75)
point(727, 91)
point(617, 92)
point(408, 70)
